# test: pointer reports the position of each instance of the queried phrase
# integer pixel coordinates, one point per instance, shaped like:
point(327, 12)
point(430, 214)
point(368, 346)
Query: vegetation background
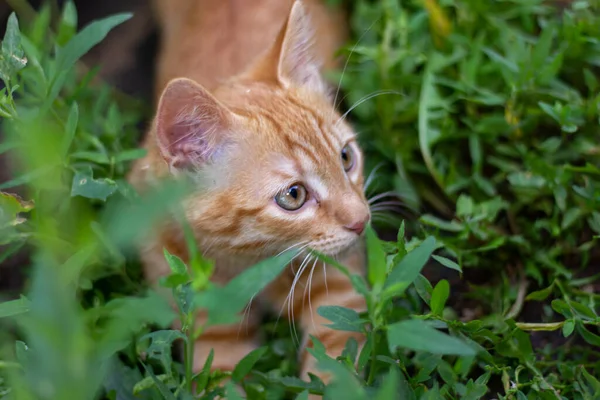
point(482, 118)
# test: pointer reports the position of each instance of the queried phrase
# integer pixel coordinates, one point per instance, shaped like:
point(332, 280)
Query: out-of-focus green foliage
point(483, 114)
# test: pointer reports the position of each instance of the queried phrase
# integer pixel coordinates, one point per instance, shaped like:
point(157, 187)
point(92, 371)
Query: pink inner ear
point(189, 125)
point(188, 144)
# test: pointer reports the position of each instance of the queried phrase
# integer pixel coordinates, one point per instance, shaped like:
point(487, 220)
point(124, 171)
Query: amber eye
point(347, 158)
point(292, 198)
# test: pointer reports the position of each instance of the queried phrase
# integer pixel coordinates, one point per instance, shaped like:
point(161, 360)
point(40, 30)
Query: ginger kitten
point(279, 167)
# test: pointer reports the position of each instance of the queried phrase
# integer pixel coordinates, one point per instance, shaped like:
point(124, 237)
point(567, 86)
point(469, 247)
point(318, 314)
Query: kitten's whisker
point(289, 293)
point(389, 203)
point(337, 92)
point(325, 277)
point(246, 314)
point(389, 207)
point(389, 210)
point(381, 196)
point(290, 298)
point(366, 98)
point(372, 175)
point(310, 276)
point(296, 255)
point(291, 247)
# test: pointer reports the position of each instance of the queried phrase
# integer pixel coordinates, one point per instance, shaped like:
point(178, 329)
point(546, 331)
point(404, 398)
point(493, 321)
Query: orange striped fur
point(249, 125)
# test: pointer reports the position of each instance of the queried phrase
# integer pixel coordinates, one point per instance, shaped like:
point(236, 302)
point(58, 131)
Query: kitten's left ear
point(191, 126)
point(291, 60)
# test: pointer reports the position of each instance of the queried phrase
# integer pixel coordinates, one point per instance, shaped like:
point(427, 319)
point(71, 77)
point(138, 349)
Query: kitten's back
point(210, 41)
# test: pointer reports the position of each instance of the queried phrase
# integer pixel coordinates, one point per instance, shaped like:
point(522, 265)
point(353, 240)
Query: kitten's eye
point(292, 198)
point(347, 158)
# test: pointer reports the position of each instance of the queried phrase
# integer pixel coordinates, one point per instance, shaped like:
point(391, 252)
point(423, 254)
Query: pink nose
point(357, 227)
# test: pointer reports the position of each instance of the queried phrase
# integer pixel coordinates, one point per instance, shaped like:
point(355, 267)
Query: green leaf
point(590, 80)
point(465, 206)
point(80, 44)
point(447, 263)
point(175, 263)
point(128, 315)
point(225, 303)
point(26, 177)
point(389, 387)
point(149, 382)
point(14, 307)
point(568, 327)
point(424, 288)
point(582, 310)
point(588, 336)
point(540, 295)
point(344, 384)
point(22, 352)
point(561, 307)
point(591, 381)
point(303, 395)
point(245, 365)
point(376, 258)
point(495, 56)
point(541, 52)
point(68, 23)
point(292, 382)
point(85, 185)
point(450, 226)
point(130, 155)
point(202, 378)
point(12, 57)
point(231, 392)
point(70, 129)
point(344, 319)
point(122, 379)
point(570, 217)
point(162, 388)
point(474, 391)
point(440, 294)
point(426, 104)
point(419, 336)
point(160, 346)
point(11, 205)
point(95, 157)
point(409, 268)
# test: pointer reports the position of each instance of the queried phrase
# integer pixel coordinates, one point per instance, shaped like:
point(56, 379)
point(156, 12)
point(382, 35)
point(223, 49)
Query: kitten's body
point(266, 126)
point(210, 41)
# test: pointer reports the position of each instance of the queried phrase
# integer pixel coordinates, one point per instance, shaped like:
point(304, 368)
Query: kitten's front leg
point(230, 343)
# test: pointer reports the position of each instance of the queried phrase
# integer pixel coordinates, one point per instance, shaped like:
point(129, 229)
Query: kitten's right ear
point(191, 125)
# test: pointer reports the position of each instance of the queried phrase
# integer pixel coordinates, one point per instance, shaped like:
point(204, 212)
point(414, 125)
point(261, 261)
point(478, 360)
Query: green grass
point(486, 123)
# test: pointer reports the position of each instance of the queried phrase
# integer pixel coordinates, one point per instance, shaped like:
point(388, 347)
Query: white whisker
point(325, 277)
point(291, 247)
point(372, 174)
point(366, 98)
point(381, 196)
point(309, 287)
point(337, 92)
point(290, 297)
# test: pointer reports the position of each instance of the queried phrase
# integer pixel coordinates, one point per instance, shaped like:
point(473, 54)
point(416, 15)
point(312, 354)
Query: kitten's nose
point(357, 227)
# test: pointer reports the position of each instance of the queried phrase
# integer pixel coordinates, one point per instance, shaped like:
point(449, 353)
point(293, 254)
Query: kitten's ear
point(191, 125)
point(291, 60)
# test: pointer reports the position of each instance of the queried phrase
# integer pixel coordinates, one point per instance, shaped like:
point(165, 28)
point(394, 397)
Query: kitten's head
point(277, 165)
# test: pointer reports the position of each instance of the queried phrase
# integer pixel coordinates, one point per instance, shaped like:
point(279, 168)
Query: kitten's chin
point(337, 249)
